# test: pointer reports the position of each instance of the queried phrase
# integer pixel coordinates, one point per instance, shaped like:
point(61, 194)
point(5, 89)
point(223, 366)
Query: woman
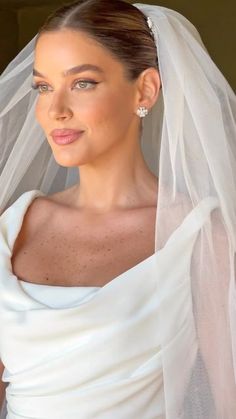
point(117, 285)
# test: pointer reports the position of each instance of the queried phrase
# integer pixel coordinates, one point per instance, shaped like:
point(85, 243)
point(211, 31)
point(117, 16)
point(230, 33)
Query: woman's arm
point(213, 320)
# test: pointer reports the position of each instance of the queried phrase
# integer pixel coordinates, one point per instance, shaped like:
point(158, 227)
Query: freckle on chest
point(86, 256)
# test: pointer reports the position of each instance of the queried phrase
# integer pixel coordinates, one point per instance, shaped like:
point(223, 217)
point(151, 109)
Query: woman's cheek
point(41, 112)
point(93, 110)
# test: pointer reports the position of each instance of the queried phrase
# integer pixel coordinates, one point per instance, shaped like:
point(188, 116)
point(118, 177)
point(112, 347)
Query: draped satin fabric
point(94, 352)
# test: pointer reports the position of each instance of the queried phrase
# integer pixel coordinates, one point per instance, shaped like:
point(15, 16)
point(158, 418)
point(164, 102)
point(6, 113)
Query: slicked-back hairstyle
point(114, 24)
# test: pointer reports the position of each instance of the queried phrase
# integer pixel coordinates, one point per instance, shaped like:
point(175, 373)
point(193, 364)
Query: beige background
point(215, 20)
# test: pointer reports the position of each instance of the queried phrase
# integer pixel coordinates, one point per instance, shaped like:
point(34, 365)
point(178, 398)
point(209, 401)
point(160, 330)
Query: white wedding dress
point(93, 352)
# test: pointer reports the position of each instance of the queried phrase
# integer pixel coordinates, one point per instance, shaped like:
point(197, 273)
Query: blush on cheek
point(106, 112)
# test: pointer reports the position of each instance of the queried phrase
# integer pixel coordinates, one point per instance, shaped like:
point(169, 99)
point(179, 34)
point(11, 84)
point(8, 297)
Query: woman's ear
point(148, 87)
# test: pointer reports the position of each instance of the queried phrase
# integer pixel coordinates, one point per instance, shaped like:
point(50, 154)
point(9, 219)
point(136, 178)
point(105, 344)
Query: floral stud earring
point(142, 111)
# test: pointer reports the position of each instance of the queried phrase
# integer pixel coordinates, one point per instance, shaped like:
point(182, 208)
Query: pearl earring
point(142, 111)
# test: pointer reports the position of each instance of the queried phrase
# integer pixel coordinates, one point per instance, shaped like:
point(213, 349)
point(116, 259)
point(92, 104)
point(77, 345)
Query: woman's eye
point(84, 84)
point(78, 85)
point(41, 88)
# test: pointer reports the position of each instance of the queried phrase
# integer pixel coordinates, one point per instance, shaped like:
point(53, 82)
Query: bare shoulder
point(40, 213)
point(42, 208)
point(36, 218)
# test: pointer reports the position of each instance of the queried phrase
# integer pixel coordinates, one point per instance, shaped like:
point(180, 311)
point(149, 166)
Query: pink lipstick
point(65, 136)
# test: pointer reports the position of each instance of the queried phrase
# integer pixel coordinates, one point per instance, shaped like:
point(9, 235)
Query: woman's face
point(100, 101)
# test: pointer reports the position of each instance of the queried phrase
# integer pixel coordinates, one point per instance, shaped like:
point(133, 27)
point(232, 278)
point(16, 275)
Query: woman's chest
point(84, 253)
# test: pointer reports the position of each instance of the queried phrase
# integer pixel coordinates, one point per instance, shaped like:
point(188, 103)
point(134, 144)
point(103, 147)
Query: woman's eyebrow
point(74, 70)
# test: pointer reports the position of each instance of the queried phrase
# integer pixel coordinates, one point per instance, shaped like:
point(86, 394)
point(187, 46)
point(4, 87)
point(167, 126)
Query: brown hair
point(118, 26)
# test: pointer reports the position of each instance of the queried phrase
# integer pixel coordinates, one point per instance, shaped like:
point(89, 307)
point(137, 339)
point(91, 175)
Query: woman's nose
point(59, 109)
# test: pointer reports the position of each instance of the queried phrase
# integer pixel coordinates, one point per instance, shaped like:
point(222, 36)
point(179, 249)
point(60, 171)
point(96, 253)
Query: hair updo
point(116, 25)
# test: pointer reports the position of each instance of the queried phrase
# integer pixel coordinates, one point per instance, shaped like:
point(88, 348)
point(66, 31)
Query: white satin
point(94, 352)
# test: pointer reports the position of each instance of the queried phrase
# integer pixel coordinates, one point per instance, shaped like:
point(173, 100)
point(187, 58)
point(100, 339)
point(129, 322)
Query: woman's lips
point(65, 136)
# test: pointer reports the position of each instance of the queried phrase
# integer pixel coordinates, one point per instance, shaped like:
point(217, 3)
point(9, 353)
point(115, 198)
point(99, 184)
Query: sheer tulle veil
point(189, 142)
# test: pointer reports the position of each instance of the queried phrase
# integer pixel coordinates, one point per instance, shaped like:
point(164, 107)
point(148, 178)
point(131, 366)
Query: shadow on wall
point(214, 19)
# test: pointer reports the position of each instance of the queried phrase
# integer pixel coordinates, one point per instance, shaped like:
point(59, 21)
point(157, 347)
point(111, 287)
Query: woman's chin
point(68, 161)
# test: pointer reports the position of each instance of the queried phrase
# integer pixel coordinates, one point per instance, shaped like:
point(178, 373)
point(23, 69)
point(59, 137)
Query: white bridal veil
point(189, 142)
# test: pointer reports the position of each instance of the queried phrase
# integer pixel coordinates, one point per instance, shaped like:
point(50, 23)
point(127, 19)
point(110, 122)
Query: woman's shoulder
point(20, 203)
point(28, 209)
point(31, 212)
point(33, 199)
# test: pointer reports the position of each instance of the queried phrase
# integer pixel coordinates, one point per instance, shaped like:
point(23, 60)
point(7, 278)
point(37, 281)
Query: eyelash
point(36, 86)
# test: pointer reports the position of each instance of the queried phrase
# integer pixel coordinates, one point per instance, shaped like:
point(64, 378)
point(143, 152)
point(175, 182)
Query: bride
point(117, 233)
point(87, 109)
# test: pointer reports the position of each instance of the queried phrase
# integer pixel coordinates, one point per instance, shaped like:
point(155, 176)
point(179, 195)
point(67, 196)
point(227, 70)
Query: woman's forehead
point(68, 49)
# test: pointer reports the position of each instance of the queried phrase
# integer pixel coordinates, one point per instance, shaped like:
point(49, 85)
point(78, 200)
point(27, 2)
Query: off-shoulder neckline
point(210, 202)
point(122, 274)
point(36, 193)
